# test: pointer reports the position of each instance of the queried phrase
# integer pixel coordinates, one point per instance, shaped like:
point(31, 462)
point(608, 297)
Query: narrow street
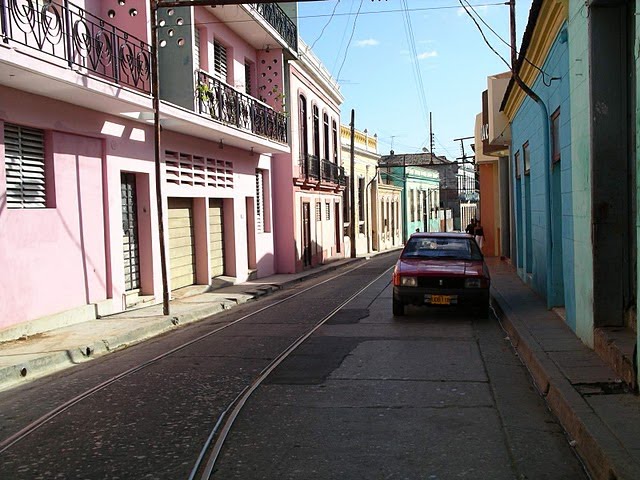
point(431, 395)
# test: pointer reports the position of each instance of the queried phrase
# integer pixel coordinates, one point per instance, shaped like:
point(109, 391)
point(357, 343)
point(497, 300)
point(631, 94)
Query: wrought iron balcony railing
point(225, 104)
point(330, 172)
point(311, 167)
point(280, 21)
point(69, 33)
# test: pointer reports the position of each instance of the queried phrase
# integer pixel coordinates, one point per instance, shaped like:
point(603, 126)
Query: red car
point(441, 269)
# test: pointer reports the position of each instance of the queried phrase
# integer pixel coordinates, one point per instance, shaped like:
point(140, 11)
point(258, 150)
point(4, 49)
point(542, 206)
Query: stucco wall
point(582, 310)
point(288, 197)
point(70, 255)
point(533, 219)
point(55, 255)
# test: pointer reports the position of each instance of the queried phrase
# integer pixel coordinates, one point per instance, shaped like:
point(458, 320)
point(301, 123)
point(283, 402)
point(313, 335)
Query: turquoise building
point(420, 190)
point(574, 162)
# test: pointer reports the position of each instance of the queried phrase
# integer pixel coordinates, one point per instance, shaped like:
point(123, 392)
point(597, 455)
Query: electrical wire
point(382, 12)
point(483, 35)
point(414, 62)
point(325, 25)
point(544, 74)
point(443, 147)
point(353, 31)
point(339, 49)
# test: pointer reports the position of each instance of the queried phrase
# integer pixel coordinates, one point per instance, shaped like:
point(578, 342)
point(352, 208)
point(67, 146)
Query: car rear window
point(442, 247)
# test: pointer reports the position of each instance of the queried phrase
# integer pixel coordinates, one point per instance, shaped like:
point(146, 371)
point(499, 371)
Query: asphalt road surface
point(431, 395)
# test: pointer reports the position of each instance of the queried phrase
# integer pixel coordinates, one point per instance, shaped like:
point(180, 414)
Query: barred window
point(328, 205)
point(318, 212)
point(25, 168)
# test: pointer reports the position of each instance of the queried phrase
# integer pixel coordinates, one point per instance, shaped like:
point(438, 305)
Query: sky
point(398, 62)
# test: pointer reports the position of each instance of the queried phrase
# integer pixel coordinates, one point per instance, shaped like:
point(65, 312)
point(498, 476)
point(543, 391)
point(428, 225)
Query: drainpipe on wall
point(545, 150)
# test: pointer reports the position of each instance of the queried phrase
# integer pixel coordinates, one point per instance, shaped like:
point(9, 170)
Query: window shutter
point(259, 203)
point(196, 48)
point(247, 77)
point(220, 60)
point(24, 165)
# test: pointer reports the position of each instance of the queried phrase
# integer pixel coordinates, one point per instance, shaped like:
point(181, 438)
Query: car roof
point(440, 235)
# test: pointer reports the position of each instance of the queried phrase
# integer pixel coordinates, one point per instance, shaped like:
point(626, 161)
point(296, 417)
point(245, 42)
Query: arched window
point(316, 131)
point(325, 137)
point(334, 128)
point(302, 127)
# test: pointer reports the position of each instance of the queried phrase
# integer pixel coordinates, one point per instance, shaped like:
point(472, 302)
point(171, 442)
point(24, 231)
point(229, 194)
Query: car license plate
point(440, 299)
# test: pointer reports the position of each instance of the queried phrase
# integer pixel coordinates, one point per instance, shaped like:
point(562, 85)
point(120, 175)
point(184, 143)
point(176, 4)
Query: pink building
point(308, 182)
point(78, 211)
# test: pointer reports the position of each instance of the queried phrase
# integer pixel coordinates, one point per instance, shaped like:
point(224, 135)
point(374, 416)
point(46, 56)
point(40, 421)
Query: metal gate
point(216, 237)
point(306, 234)
point(130, 232)
point(182, 255)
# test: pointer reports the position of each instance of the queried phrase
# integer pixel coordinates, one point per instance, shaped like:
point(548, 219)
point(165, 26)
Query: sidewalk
point(601, 418)
point(38, 355)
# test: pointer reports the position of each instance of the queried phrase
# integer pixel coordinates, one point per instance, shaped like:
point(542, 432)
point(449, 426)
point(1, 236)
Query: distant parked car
point(441, 270)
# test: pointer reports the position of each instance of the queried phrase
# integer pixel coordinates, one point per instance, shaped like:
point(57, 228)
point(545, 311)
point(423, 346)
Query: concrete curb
point(593, 441)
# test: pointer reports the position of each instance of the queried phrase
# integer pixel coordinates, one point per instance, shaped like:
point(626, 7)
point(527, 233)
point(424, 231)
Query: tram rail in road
point(218, 434)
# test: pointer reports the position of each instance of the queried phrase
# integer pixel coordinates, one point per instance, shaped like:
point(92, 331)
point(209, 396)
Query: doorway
point(306, 234)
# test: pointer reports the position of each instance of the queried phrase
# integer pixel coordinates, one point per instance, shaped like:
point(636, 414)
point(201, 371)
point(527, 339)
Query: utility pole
point(512, 26)
point(430, 135)
point(352, 192)
point(155, 93)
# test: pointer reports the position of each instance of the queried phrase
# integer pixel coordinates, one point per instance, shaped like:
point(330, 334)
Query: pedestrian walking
point(479, 234)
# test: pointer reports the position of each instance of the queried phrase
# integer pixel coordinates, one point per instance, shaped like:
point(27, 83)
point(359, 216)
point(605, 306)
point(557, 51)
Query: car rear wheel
point(398, 308)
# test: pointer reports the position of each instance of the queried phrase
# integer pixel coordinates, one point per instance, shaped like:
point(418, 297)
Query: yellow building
point(377, 207)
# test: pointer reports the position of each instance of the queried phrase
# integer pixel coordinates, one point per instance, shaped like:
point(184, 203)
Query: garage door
point(216, 237)
point(182, 256)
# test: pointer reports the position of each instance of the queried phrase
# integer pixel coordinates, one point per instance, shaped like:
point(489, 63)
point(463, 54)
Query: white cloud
point(370, 42)
point(425, 55)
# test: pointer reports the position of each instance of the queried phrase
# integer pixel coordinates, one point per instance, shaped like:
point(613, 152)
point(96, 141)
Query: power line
point(381, 12)
point(353, 31)
point(414, 61)
point(510, 46)
point(325, 25)
point(483, 35)
point(344, 34)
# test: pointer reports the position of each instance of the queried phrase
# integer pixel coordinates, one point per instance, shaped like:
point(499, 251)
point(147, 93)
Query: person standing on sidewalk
point(471, 227)
point(479, 234)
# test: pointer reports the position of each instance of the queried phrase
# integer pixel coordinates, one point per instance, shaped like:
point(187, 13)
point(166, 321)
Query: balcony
point(280, 21)
point(227, 105)
point(321, 172)
point(80, 39)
